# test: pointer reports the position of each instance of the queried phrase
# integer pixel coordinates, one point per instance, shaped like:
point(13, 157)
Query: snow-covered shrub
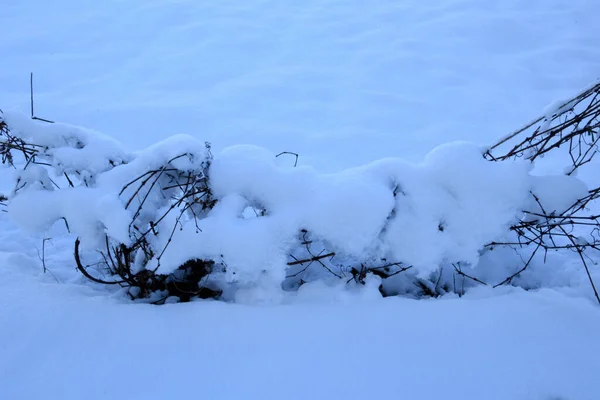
point(124, 206)
point(563, 214)
point(172, 220)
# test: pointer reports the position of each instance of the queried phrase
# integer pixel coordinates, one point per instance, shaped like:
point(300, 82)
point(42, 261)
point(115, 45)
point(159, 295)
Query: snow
point(558, 107)
point(340, 83)
point(81, 344)
point(102, 213)
point(418, 214)
point(72, 148)
point(546, 189)
point(343, 84)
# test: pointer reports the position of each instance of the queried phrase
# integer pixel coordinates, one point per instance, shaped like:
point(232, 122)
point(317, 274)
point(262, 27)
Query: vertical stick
point(31, 91)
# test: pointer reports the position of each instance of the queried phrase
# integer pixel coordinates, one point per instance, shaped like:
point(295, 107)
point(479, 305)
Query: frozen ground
point(342, 83)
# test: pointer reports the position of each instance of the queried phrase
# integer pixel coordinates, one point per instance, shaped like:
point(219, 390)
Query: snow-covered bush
point(114, 202)
point(172, 220)
point(564, 214)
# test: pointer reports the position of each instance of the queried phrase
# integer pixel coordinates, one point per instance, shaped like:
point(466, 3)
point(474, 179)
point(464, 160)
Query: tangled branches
point(312, 259)
point(10, 144)
point(160, 201)
point(185, 283)
point(575, 125)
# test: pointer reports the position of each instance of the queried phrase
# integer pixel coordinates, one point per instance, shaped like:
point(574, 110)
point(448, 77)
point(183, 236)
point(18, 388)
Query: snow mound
point(175, 202)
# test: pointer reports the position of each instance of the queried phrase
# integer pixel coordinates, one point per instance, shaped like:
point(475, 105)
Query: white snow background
point(343, 83)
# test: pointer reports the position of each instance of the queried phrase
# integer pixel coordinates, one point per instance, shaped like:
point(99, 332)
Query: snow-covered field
point(68, 342)
point(342, 83)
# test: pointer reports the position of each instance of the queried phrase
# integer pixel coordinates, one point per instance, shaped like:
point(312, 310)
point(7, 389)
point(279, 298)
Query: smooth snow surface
point(342, 83)
point(72, 343)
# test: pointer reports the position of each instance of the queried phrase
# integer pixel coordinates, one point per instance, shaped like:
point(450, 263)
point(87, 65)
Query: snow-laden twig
point(573, 123)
